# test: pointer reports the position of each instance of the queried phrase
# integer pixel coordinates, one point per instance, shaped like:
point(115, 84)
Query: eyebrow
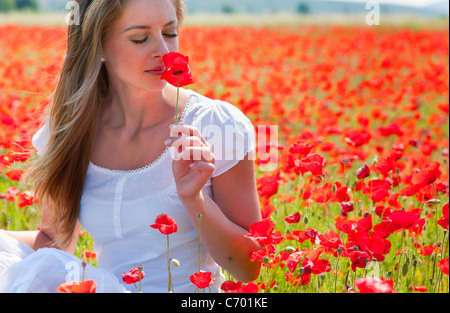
point(146, 26)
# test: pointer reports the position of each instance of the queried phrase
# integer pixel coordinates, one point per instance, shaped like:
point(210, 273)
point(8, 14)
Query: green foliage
point(7, 5)
point(21, 5)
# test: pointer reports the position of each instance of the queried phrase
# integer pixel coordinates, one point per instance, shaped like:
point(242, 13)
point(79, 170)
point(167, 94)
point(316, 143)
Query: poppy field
point(357, 199)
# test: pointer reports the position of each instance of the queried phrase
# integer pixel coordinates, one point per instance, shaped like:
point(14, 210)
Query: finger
point(176, 129)
point(203, 166)
point(196, 154)
point(183, 142)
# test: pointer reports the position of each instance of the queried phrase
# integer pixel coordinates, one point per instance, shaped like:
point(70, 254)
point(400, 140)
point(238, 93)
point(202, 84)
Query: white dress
point(118, 207)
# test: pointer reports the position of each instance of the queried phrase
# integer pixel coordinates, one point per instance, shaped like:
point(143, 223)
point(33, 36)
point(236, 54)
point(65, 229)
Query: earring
point(102, 59)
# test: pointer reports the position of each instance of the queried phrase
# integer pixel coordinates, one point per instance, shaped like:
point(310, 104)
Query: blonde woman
point(106, 162)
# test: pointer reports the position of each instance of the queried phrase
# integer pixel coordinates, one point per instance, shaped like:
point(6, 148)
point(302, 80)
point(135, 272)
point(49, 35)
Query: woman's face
point(134, 47)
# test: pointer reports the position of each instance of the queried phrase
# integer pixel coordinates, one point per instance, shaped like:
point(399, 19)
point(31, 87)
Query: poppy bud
point(339, 250)
point(305, 220)
point(415, 263)
point(355, 248)
point(175, 262)
point(434, 201)
point(289, 249)
point(389, 274)
point(266, 260)
point(405, 269)
point(199, 216)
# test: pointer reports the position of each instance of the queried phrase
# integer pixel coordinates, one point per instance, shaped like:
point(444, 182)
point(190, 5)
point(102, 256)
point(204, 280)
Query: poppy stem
point(178, 97)
point(168, 265)
point(199, 219)
point(336, 274)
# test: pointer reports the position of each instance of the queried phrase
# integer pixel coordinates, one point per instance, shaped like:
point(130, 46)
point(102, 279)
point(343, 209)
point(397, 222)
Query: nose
point(161, 48)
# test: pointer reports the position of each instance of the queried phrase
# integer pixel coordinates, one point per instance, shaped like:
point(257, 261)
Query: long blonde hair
point(58, 175)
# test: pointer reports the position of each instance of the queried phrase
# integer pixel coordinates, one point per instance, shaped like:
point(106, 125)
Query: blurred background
point(250, 11)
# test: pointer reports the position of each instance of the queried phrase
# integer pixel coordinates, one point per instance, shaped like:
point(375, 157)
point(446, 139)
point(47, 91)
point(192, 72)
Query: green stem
point(178, 97)
point(335, 279)
point(168, 265)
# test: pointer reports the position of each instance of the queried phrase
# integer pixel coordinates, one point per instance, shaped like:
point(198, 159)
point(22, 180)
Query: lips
point(157, 70)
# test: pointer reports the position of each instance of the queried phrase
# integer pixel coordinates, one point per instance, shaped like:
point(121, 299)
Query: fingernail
point(167, 142)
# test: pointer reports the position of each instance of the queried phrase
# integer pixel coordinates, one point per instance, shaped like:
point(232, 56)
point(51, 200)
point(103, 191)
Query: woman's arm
point(43, 238)
point(226, 220)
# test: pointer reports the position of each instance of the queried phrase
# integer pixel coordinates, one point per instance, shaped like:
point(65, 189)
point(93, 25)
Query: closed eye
point(138, 42)
point(171, 35)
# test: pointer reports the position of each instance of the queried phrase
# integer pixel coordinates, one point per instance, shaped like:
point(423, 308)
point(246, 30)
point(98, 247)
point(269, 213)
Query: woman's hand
point(193, 160)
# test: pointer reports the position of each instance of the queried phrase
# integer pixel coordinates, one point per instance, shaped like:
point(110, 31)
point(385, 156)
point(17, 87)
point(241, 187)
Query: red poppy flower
point(229, 285)
point(239, 287)
point(418, 288)
point(443, 265)
point(26, 198)
point(89, 254)
point(444, 220)
point(177, 71)
point(399, 219)
point(87, 286)
point(133, 276)
point(359, 259)
point(346, 207)
point(15, 175)
point(302, 235)
point(427, 175)
point(377, 189)
point(374, 285)
point(165, 224)
point(262, 232)
point(357, 137)
point(313, 163)
point(331, 240)
point(427, 250)
point(202, 279)
point(268, 185)
point(300, 148)
point(293, 219)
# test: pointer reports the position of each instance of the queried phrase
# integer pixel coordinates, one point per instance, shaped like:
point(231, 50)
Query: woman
point(112, 159)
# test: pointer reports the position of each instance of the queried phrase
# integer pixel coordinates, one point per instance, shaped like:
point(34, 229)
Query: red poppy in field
point(87, 286)
point(262, 233)
point(202, 279)
point(357, 137)
point(359, 258)
point(427, 175)
point(363, 171)
point(133, 276)
point(313, 163)
point(385, 165)
point(427, 250)
point(331, 240)
point(444, 220)
point(374, 285)
point(165, 224)
point(293, 219)
point(443, 265)
point(346, 207)
point(26, 198)
point(89, 254)
point(377, 189)
point(364, 224)
point(268, 185)
point(177, 71)
point(397, 220)
point(15, 175)
point(260, 255)
point(239, 287)
point(418, 288)
point(302, 235)
point(300, 149)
